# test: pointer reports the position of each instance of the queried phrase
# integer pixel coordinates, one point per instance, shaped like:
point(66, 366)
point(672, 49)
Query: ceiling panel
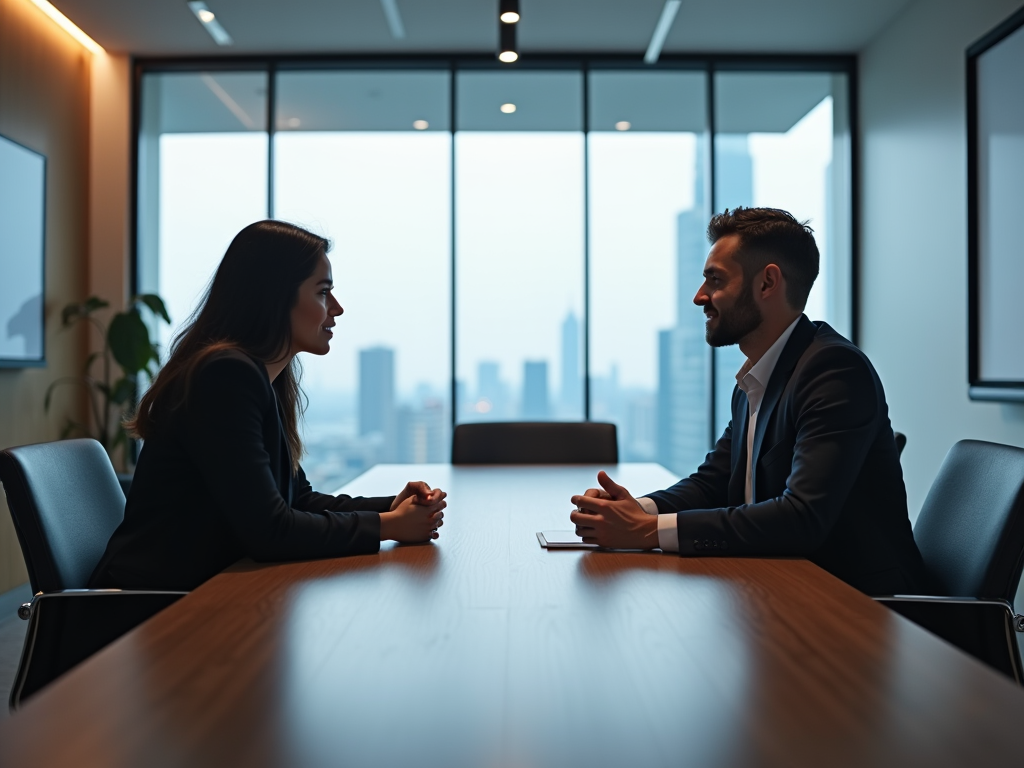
point(167, 27)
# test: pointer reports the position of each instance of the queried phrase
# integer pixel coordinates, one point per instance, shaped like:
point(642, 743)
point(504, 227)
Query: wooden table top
point(485, 650)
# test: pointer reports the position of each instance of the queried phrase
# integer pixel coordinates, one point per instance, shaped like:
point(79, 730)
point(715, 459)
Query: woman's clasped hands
point(415, 515)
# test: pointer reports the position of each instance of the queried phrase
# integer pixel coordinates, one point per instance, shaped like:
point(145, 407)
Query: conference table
point(483, 649)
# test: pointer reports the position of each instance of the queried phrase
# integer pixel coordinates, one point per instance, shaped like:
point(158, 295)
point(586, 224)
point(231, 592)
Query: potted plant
point(128, 353)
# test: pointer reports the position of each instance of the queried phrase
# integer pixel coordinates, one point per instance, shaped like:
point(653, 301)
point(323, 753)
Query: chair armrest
point(982, 627)
point(983, 604)
point(67, 627)
point(25, 609)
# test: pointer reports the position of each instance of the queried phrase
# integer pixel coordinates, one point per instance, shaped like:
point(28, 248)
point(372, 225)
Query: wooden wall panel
point(44, 104)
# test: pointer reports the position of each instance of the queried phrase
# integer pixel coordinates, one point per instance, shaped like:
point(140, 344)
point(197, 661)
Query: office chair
point(901, 442)
point(66, 502)
point(540, 442)
point(971, 535)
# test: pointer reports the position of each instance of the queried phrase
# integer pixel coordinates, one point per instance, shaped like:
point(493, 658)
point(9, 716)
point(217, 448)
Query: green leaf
point(82, 309)
point(156, 305)
point(89, 361)
point(123, 391)
point(129, 342)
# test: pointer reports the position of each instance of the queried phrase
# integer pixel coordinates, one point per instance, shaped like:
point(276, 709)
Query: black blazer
point(827, 482)
point(215, 484)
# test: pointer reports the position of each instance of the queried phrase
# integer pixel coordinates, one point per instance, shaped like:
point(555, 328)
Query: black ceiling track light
point(508, 17)
point(508, 11)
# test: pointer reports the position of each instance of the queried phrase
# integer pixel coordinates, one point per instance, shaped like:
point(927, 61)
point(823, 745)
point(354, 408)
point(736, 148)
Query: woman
point(218, 478)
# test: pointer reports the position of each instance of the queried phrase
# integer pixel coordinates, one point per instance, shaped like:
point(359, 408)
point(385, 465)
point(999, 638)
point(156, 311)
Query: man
point(808, 465)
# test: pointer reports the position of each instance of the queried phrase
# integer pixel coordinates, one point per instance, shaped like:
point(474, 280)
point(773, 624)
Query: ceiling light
point(623, 125)
point(209, 21)
point(508, 109)
point(68, 26)
point(668, 15)
point(394, 18)
point(507, 34)
point(420, 125)
point(508, 11)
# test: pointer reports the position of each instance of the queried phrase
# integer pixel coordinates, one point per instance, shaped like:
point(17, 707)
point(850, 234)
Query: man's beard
point(736, 322)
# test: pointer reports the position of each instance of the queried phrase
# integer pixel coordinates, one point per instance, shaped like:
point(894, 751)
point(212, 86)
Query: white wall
point(913, 303)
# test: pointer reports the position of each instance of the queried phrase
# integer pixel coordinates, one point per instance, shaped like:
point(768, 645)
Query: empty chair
point(971, 535)
point(543, 442)
point(66, 502)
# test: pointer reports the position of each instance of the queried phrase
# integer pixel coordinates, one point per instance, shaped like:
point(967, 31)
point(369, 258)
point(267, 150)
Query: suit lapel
point(738, 476)
point(799, 340)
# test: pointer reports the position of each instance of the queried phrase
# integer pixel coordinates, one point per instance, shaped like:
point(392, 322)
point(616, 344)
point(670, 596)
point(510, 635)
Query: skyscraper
point(684, 359)
point(377, 397)
point(571, 400)
point(535, 391)
point(490, 389)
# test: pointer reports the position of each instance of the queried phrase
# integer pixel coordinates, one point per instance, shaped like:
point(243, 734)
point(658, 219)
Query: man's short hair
point(771, 236)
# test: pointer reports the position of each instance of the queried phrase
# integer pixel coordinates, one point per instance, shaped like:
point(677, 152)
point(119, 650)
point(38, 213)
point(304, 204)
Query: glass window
point(202, 178)
point(783, 140)
point(519, 154)
point(577, 244)
point(649, 363)
point(364, 158)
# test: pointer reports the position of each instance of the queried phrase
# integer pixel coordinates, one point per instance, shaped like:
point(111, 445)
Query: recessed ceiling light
point(508, 109)
point(293, 122)
point(623, 125)
point(509, 18)
point(420, 125)
point(210, 23)
point(508, 56)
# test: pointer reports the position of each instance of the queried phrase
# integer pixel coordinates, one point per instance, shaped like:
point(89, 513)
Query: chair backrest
point(901, 442)
point(66, 503)
point(971, 527)
point(537, 442)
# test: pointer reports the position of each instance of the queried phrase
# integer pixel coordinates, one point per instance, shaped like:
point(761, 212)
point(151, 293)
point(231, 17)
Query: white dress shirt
point(752, 380)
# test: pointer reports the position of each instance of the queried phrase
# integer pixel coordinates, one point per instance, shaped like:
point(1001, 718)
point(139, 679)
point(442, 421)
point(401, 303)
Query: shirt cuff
point(648, 505)
point(668, 525)
point(668, 532)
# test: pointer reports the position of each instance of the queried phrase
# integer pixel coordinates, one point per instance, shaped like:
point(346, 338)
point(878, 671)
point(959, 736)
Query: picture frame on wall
point(995, 193)
point(22, 256)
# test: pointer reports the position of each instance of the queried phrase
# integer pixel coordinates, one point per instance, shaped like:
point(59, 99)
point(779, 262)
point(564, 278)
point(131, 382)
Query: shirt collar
point(761, 371)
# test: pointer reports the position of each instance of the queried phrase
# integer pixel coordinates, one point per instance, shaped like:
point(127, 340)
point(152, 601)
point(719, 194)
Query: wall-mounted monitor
point(22, 244)
point(995, 146)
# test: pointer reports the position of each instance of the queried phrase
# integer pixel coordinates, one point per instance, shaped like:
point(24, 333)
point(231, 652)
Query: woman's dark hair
point(771, 235)
point(246, 307)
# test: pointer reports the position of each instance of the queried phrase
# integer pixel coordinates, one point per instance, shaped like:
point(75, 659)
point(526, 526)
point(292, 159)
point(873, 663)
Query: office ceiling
point(168, 27)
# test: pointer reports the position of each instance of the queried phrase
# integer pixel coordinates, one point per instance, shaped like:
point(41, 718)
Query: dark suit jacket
point(215, 484)
point(827, 482)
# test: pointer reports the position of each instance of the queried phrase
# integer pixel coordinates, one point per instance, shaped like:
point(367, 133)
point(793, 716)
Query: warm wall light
point(623, 125)
point(508, 109)
point(508, 11)
point(68, 26)
point(420, 125)
point(507, 35)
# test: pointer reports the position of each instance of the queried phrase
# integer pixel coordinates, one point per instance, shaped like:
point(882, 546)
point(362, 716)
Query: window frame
point(709, 64)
